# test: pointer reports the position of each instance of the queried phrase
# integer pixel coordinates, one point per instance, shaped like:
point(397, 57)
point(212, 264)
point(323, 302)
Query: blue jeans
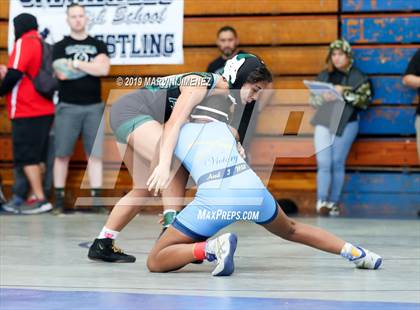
point(331, 155)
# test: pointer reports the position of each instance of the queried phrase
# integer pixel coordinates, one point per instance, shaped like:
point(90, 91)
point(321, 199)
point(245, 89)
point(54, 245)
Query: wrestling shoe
point(105, 250)
point(367, 260)
point(225, 246)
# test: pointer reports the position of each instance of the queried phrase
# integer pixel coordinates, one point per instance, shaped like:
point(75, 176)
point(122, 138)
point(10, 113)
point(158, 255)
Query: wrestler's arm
point(190, 96)
point(234, 132)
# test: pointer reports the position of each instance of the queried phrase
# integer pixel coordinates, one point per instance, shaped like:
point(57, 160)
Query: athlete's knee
point(153, 264)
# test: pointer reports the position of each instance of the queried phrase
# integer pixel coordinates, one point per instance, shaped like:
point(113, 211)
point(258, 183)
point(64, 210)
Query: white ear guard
point(230, 71)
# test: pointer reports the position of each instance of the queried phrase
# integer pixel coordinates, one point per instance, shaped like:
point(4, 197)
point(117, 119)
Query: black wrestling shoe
point(105, 250)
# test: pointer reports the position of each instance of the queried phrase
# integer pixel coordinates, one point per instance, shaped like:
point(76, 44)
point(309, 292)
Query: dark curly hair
point(260, 74)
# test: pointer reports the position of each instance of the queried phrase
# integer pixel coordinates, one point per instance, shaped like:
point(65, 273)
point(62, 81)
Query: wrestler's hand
point(241, 150)
point(159, 179)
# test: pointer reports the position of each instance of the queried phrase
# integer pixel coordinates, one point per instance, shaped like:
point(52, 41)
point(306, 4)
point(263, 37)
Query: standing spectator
point(336, 126)
point(21, 188)
point(412, 79)
point(80, 108)
point(31, 114)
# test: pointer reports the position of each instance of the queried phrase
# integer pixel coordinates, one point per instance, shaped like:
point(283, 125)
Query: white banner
point(135, 31)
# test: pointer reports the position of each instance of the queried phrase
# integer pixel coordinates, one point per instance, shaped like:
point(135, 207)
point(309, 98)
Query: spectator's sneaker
point(224, 250)
point(56, 211)
point(334, 209)
point(367, 260)
point(59, 204)
point(2, 198)
point(323, 208)
point(13, 205)
point(35, 207)
point(105, 250)
point(31, 199)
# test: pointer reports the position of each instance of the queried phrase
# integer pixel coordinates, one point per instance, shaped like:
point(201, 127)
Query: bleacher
point(292, 37)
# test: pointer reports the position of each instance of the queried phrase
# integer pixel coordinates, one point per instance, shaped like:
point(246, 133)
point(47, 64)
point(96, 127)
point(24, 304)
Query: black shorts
point(30, 139)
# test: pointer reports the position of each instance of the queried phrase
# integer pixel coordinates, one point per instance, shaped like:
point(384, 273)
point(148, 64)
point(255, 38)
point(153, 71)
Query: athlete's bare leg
point(312, 236)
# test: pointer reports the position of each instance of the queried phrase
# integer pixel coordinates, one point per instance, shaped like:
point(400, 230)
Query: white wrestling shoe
point(225, 246)
point(368, 260)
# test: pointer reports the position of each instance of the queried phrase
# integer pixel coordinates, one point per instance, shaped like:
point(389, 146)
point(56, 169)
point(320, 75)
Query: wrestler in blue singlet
point(227, 189)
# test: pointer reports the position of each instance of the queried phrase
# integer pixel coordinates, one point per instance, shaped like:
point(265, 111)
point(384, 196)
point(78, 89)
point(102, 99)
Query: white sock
point(349, 251)
point(108, 233)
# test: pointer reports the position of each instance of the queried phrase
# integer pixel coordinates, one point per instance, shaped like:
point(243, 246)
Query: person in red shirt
point(31, 114)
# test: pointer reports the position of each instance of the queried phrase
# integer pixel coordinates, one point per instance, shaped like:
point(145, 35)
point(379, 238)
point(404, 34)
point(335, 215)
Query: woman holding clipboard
point(336, 122)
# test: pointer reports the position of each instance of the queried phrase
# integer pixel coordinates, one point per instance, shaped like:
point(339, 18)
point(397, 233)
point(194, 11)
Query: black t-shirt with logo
point(86, 90)
point(414, 68)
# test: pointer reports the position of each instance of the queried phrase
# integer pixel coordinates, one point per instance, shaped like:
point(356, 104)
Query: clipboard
point(319, 88)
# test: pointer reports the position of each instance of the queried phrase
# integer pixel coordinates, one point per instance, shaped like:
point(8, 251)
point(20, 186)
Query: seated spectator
point(31, 113)
point(336, 125)
point(412, 79)
point(227, 42)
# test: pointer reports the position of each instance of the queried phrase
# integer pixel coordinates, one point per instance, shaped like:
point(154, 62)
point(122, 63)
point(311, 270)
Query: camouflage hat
point(343, 45)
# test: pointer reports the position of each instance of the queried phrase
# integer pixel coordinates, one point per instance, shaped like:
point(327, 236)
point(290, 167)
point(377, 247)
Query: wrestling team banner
point(135, 31)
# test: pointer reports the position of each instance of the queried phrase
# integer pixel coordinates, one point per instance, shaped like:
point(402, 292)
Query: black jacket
point(358, 96)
